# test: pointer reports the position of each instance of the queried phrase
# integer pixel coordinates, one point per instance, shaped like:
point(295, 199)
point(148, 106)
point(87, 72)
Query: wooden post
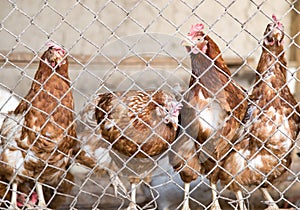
point(295, 51)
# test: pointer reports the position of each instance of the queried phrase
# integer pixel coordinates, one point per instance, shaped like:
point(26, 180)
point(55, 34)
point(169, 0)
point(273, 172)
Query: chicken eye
point(200, 39)
point(166, 110)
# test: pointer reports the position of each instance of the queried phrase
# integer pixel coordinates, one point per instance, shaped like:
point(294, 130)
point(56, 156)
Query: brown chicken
point(139, 126)
point(94, 150)
point(211, 117)
point(39, 135)
point(263, 153)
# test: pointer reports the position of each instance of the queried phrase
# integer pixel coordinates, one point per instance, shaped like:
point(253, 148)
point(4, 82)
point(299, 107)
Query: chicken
point(93, 153)
point(39, 135)
point(211, 115)
point(263, 153)
point(139, 126)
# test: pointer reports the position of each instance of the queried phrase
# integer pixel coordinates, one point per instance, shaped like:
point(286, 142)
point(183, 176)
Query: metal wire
point(115, 45)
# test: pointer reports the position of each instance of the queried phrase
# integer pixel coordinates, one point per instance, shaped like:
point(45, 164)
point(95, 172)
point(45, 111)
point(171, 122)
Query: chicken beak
point(179, 106)
point(278, 34)
point(59, 58)
point(187, 43)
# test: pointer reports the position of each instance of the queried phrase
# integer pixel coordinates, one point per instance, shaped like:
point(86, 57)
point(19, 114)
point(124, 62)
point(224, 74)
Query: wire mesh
point(132, 51)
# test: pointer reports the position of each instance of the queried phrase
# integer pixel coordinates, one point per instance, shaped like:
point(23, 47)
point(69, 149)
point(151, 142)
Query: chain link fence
point(115, 45)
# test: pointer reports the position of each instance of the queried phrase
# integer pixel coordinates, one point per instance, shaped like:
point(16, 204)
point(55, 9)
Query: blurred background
point(111, 40)
point(120, 45)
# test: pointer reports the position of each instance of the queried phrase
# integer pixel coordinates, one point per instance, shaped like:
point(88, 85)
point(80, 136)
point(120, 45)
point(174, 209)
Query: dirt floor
point(94, 192)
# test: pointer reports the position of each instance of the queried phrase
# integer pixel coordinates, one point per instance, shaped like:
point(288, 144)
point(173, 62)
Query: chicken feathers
point(271, 126)
point(139, 126)
point(39, 135)
point(212, 115)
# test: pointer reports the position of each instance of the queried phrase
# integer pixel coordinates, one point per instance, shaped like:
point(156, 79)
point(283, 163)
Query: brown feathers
point(215, 106)
point(211, 117)
point(126, 132)
point(271, 124)
point(38, 137)
point(138, 119)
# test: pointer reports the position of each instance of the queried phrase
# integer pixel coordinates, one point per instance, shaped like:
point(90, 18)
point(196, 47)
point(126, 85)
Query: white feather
point(109, 125)
point(239, 160)
point(256, 162)
point(11, 130)
point(8, 102)
point(209, 117)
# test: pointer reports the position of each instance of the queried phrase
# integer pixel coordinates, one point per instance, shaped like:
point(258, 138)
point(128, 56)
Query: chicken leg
point(42, 203)
point(271, 203)
point(186, 205)
point(216, 205)
point(132, 205)
point(240, 198)
point(117, 184)
point(13, 203)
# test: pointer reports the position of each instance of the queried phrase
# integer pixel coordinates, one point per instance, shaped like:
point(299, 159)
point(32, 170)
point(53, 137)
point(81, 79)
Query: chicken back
point(136, 123)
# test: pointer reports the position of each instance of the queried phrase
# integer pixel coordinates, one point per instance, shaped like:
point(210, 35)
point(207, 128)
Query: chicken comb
point(195, 29)
point(58, 48)
point(278, 23)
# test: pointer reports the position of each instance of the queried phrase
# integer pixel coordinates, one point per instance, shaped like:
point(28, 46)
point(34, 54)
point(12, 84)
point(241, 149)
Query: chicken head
point(274, 33)
point(196, 42)
point(54, 55)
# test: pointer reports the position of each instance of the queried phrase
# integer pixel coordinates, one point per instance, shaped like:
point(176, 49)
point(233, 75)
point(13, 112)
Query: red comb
point(278, 23)
point(195, 28)
point(56, 47)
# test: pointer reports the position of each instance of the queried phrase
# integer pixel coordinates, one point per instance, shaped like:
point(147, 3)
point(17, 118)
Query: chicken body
point(143, 123)
point(133, 130)
point(38, 137)
point(211, 117)
point(94, 152)
point(271, 126)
